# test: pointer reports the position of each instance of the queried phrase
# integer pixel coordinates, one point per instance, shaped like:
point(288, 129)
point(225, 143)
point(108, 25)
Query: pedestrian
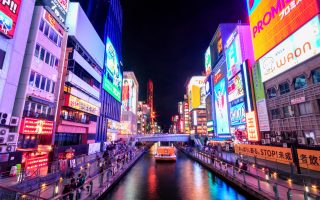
point(65, 191)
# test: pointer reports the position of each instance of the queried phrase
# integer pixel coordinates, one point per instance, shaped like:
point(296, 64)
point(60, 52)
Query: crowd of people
point(113, 160)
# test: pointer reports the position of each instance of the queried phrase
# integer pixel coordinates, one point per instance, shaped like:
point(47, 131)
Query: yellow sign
point(275, 154)
point(309, 159)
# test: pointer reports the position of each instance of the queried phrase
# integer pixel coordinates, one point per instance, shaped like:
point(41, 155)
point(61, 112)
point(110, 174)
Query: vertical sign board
point(9, 12)
point(261, 103)
point(58, 7)
point(207, 62)
point(272, 21)
point(252, 128)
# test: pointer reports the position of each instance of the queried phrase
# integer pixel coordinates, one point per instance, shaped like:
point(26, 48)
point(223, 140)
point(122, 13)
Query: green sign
point(111, 89)
point(257, 82)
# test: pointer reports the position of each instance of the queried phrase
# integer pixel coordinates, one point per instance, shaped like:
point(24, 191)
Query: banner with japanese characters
point(275, 154)
point(309, 159)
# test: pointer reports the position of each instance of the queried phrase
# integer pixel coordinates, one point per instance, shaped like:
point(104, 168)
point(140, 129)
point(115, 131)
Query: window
point(300, 82)
point(271, 93)
point(46, 29)
point(275, 114)
point(37, 82)
point(31, 79)
point(316, 76)
point(52, 88)
point(41, 26)
point(284, 88)
point(42, 53)
point(288, 111)
point(305, 108)
point(2, 56)
point(47, 57)
point(52, 33)
point(43, 83)
point(37, 51)
point(48, 85)
point(59, 41)
point(38, 108)
point(56, 63)
point(52, 60)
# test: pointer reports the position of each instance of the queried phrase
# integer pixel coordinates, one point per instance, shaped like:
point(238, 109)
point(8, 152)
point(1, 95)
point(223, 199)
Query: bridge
point(163, 138)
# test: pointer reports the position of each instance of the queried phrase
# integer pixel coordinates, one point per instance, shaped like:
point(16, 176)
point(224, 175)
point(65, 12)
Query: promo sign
point(81, 105)
point(252, 128)
point(58, 7)
point(207, 62)
point(309, 159)
point(233, 55)
point(9, 12)
point(300, 46)
point(235, 88)
point(272, 21)
point(36, 126)
point(275, 154)
point(238, 114)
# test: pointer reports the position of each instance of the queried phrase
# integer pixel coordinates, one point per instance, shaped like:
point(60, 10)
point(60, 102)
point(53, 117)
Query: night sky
point(165, 40)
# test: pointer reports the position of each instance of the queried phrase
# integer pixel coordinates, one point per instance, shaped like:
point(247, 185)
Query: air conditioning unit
point(3, 148)
point(14, 121)
point(3, 131)
point(273, 139)
point(267, 141)
point(10, 148)
point(12, 138)
point(4, 119)
point(278, 139)
point(301, 140)
point(263, 141)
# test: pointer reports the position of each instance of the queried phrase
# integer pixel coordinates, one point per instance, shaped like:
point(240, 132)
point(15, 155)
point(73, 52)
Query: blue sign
point(238, 114)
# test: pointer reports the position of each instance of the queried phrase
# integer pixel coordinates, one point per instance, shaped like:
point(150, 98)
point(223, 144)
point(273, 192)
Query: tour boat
point(165, 153)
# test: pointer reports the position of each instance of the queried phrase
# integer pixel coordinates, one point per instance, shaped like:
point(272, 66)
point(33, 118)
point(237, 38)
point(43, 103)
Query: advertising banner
point(129, 96)
point(221, 107)
point(309, 159)
point(58, 7)
point(79, 104)
point(300, 46)
point(235, 88)
point(36, 126)
point(207, 62)
point(252, 128)
point(261, 103)
point(233, 56)
point(9, 12)
point(275, 154)
point(238, 114)
point(112, 80)
point(196, 92)
point(272, 21)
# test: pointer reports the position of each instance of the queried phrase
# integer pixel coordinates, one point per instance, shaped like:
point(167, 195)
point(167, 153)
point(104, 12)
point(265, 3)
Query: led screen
point(300, 46)
point(9, 11)
point(129, 96)
point(235, 88)
point(238, 114)
point(208, 61)
point(272, 21)
point(233, 57)
point(221, 107)
point(112, 80)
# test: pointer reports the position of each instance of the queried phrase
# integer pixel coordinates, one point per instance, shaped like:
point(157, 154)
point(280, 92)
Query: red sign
point(35, 162)
point(272, 21)
point(9, 11)
point(36, 126)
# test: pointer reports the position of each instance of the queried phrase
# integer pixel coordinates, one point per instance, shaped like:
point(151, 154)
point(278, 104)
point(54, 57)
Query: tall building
point(79, 100)
point(38, 91)
point(13, 41)
point(112, 70)
point(150, 97)
point(130, 94)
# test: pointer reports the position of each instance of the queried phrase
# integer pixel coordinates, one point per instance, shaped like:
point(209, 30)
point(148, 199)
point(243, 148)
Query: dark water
point(184, 179)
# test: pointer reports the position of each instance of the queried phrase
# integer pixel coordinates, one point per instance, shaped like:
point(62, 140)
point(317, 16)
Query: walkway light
point(289, 180)
point(306, 188)
point(56, 189)
point(314, 186)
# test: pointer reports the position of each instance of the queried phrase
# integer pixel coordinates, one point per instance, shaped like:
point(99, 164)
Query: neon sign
point(36, 126)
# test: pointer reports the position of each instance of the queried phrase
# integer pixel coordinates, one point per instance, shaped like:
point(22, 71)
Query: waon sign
point(36, 126)
point(272, 21)
point(9, 11)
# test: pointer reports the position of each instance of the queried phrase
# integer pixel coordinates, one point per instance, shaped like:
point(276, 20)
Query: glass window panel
point(43, 83)
point(52, 59)
point(47, 57)
point(52, 88)
point(42, 53)
point(300, 82)
point(31, 79)
point(37, 51)
point(316, 76)
point(284, 88)
point(48, 85)
point(41, 26)
point(46, 29)
point(37, 82)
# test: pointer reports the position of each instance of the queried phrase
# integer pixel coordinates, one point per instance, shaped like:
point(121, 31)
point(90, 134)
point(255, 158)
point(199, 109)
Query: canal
point(184, 179)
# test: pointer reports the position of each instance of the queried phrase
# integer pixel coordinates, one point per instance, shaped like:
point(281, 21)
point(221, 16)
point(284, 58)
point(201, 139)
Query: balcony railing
point(74, 119)
point(27, 113)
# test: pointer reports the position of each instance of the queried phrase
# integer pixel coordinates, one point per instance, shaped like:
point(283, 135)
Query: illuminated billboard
point(112, 80)
point(207, 63)
point(221, 107)
point(58, 7)
point(235, 88)
point(233, 55)
point(238, 114)
point(300, 46)
point(129, 95)
point(9, 12)
point(272, 21)
point(252, 128)
point(196, 92)
point(36, 126)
